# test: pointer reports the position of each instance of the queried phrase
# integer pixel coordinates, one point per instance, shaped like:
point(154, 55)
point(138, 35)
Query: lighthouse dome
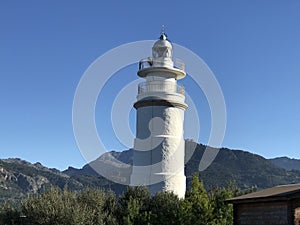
point(162, 48)
point(162, 60)
point(162, 51)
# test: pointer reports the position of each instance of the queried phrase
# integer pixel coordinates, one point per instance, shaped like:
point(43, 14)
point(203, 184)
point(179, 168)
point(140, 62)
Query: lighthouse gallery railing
point(158, 86)
point(148, 62)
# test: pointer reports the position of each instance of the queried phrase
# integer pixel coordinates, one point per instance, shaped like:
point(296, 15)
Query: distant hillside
point(18, 177)
point(286, 163)
point(244, 168)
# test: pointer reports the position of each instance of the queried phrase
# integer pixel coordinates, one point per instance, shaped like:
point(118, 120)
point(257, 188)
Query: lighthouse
point(158, 153)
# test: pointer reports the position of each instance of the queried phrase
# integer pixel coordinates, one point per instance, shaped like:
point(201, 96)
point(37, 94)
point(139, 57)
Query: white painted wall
point(159, 149)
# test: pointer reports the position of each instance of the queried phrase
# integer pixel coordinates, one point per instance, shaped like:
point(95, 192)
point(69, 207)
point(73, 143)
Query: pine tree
point(166, 208)
point(197, 208)
point(133, 206)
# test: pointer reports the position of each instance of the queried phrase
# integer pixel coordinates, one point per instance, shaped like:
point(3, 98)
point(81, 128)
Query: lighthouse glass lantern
point(158, 154)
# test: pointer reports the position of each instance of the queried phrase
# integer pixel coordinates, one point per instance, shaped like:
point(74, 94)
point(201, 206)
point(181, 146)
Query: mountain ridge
point(286, 163)
point(19, 177)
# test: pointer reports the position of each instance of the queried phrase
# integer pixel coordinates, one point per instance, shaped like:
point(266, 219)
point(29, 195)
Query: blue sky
point(253, 48)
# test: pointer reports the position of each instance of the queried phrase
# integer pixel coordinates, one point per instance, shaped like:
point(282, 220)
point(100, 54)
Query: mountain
point(242, 167)
point(19, 178)
point(286, 163)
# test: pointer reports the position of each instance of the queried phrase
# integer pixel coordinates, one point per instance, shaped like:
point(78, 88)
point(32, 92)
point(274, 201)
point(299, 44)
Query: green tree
point(222, 212)
point(166, 208)
point(54, 207)
point(9, 214)
point(133, 206)
point(110, 208)
point(197, 208)
point(57, 207)
point(101, 206)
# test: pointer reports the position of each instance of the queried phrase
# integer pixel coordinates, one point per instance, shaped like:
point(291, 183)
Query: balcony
point(148, 62)
point(160, 87)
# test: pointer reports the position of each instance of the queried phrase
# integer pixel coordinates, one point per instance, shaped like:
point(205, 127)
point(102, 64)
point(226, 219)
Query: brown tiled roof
point(274, 192)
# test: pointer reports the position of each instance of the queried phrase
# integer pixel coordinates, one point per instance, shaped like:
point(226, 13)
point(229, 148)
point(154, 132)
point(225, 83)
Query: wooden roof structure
point(281, 192)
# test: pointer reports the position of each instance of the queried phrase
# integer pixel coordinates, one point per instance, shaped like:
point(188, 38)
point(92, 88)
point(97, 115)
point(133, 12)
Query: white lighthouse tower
point(158, 156)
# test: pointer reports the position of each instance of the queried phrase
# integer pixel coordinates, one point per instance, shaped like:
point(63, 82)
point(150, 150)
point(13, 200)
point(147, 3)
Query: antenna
point(163, 36)
point(162, 29)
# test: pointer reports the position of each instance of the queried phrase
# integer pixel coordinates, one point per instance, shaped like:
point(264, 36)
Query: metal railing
point(148, 62)
point(159, 86)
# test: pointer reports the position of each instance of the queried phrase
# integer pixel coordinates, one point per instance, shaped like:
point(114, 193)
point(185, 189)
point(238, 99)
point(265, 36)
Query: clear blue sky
point(253, 48)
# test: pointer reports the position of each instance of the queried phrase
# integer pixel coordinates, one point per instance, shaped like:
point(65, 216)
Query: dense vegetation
point(135, 206)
